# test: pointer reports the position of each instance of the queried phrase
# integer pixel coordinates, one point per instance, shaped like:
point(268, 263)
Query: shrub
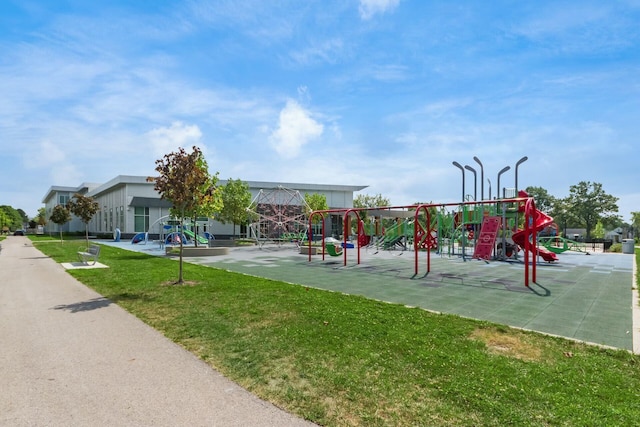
point(616, 247)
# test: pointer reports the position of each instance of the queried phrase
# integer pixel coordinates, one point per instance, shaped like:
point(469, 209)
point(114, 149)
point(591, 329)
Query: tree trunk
point(180, 280)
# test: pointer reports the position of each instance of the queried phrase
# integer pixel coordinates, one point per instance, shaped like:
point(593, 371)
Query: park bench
point(91, 254)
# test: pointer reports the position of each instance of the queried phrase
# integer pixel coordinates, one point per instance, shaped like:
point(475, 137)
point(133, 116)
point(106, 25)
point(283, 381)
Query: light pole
point(518, 163)
point(475, 182)
point(503, 170)
point(459, 166)
point(481, 178)
point(489, 181)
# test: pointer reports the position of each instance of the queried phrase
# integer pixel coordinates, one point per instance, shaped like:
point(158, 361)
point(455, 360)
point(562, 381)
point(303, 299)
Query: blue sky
point(385, 93)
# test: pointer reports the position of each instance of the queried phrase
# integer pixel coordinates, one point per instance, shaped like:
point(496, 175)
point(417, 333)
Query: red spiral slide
point(541, 221)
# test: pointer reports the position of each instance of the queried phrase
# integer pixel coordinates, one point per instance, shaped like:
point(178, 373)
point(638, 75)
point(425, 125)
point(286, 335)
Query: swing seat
point(332, 250)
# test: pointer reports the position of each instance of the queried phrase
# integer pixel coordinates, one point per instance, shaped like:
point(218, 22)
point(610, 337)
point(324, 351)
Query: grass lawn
point(341, 360)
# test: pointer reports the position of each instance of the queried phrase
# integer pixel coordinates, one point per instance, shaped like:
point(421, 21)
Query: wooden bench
point(91, 254)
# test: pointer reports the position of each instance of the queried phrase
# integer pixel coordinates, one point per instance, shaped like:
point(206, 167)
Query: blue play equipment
point(140, 237)
point(175, 238)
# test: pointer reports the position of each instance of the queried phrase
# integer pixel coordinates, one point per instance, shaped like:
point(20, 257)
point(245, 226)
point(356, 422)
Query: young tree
point(208, 197)
point(60, 215)
point(588, 203)
point(41, 218)
point(185, 182)
point(236, 198)
point(598, 231)
point(315, 202)
point(84, 207)
point(635, 223)
point(368, 201)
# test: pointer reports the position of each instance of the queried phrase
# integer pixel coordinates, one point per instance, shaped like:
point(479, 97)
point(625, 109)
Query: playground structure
point(559, 244)
point(451, 229)
point(170, 232)
point(280, 216)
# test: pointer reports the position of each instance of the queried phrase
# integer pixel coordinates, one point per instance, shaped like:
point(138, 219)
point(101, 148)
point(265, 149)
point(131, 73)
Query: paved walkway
point(68, 357)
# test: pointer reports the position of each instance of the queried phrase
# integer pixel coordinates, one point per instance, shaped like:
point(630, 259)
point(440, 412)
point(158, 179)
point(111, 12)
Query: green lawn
point(341, 360)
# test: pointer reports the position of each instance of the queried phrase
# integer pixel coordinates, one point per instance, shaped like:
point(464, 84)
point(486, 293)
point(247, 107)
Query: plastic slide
point(190, 234)
point(542, 220)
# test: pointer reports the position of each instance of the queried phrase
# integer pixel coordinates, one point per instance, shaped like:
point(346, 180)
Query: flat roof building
point(132, 205)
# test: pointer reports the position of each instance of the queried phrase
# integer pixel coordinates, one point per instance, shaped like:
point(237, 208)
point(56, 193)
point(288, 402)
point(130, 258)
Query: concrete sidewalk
point(70, 357)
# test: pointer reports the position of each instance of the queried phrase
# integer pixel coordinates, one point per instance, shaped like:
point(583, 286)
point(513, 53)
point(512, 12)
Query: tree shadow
point(92, 304)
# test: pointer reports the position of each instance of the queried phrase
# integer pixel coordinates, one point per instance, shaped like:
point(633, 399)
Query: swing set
point(427, 230)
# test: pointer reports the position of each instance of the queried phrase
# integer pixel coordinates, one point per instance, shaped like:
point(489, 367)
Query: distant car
point(18, 233)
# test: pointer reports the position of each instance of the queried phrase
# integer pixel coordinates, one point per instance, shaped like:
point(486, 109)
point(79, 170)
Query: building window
point(63, 199)
point(141, 219)
point(122, 227)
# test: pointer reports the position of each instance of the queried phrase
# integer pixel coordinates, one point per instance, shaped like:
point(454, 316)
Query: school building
point(132, 205)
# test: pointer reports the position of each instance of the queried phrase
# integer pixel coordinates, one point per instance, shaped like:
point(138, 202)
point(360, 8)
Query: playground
point(482, 260)
point(587, 298)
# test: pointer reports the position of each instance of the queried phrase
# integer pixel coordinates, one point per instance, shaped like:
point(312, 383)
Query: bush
point(616, 247)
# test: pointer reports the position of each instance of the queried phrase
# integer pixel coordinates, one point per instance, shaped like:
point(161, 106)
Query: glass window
point(141, 219)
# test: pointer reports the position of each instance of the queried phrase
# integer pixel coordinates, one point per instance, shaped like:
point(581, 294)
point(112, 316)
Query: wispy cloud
point(326, 51)
point(369, 8)
point(589, 28)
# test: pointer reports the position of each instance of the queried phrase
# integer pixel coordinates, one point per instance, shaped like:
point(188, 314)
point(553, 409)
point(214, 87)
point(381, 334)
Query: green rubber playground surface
point(583, 297)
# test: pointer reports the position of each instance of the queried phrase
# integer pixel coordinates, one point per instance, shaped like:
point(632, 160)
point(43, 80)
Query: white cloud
point(51, 152)
point(167, 139)
point(368, 8)
point(62, 170)
point(295, 129)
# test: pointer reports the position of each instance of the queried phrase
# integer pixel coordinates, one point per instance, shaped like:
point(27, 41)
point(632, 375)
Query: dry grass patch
point(508, 343)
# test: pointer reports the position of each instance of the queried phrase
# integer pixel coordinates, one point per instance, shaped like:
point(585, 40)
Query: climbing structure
point(280, 216)
point(487, 239)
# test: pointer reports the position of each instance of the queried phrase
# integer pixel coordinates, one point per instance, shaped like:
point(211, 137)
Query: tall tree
point(185, 182)
point(84, 207)
point(236, 198)
point(589, 203)
point(544, 201)
point(60, 215)
point(12, 219)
